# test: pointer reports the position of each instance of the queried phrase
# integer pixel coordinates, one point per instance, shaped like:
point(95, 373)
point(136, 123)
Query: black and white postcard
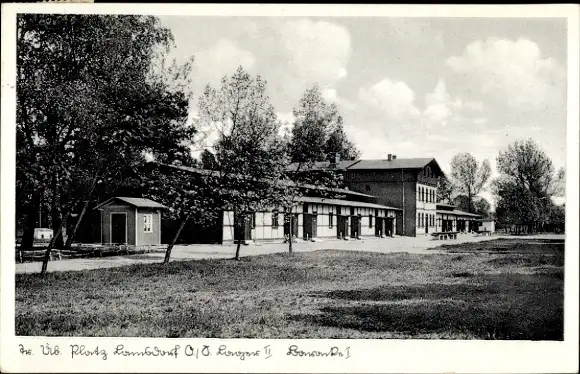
point(289, 188)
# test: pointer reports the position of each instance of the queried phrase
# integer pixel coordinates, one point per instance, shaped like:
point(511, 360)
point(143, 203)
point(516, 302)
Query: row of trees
point(524, 190)
point(96, 94)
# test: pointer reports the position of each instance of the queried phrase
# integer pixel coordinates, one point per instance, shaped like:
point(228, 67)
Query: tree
point(338, 143)
point(208, 160)
point(526, 184)
point(93, 95)
point(445, 190)
point(250, 156)
point(468, 176)
point(480, 205)
point(188, 194)
point(318, 132)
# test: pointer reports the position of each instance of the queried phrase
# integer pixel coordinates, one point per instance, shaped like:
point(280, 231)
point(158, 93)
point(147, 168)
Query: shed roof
point(360, 204)
point(134, 201)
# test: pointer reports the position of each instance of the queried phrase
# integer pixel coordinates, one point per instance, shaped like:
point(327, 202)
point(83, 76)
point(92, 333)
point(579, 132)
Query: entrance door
point(294, 219)
point(354, 227)
point(389, 226)
point(379, 230)
point(342, 227)
point(242, 229)
point(314, 223)
point(118, 228)
point(426, 224)
point(307, 226)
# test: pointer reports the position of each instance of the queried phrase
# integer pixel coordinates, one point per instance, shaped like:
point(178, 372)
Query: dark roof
point(398, 163)
point(210, 172)
point(134, 201)
point(322, 200)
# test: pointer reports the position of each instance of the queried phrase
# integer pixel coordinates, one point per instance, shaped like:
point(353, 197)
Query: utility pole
point(403, 206)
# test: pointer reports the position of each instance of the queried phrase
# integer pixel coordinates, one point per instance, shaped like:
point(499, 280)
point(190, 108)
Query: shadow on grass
point(506, 307)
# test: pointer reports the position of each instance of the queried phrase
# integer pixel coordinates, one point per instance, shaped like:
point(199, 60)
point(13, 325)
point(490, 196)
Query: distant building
point(42, 233)
point(486, 224)
point(131, 221)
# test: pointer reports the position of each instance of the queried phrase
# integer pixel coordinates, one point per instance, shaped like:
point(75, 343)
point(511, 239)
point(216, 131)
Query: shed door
point(118, 228)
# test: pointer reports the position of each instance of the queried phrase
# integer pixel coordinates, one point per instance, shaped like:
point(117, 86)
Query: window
point(330, 219)
point(423, 193)
point(367, 188)
point(148, 223)
point(370, 221)
point(275, 219)
point(252, 220)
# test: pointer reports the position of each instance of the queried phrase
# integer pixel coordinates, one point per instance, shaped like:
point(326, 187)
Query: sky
point(414, 87)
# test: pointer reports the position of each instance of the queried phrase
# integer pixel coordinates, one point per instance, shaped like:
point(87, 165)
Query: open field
point(501, 289)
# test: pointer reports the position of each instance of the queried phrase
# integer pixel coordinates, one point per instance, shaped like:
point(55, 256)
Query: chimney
point(389, 156)
point(394, 157)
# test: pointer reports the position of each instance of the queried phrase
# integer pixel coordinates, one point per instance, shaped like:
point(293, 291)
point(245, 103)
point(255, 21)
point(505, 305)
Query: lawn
point(501, 289)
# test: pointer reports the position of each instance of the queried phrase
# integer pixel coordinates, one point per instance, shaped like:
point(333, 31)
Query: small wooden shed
point(131, 221)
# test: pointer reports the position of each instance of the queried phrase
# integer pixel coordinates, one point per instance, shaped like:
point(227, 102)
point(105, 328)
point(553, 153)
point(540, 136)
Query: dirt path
point(199, 252)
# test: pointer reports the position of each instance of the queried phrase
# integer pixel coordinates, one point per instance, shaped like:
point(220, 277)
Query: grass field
point(501, 289)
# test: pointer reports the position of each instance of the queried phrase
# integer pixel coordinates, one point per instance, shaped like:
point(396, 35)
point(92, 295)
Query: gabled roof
point(134, 201)
point(398, 163)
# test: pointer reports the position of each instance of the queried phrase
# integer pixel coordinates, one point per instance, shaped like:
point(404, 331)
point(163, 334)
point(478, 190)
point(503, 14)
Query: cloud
point(441, 107)
point(317, 50)
point(223, 58)
point(391, 99)
point(311, 52)
point(511, 72)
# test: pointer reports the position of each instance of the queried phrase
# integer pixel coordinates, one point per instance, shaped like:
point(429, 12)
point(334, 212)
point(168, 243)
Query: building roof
point(360, 204)
point(398, 163)
point(457, 213)
point(134, 201)
point(310, 186)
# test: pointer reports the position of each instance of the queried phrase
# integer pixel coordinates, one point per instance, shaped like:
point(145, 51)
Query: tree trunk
point(291, 227)
point(237, 258)
point(56, 214)
point(31, 216)
point(49, 248)
point(170, 246)
point(71, 236)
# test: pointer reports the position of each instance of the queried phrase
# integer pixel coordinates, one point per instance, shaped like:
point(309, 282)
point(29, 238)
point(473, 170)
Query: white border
point(367, 355)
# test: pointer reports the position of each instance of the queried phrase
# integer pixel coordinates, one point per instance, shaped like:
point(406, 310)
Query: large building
point(409, 184)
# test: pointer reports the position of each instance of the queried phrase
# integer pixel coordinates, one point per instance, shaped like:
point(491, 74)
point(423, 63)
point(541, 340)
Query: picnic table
point(445, 235)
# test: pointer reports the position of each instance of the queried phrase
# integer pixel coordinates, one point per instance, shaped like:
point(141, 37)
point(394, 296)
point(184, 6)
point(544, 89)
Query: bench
point(444, 235)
